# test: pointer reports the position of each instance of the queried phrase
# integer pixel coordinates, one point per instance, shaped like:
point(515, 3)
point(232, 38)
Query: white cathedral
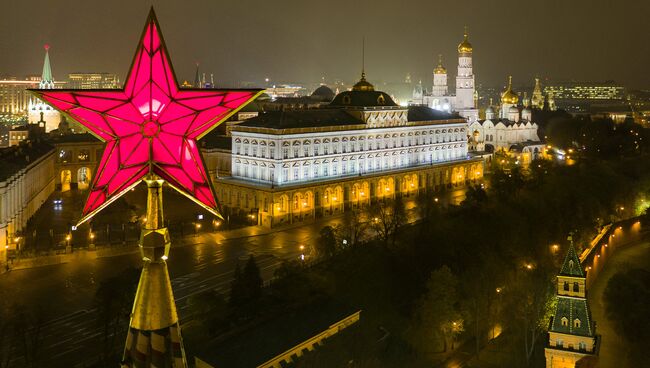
point(39, 112)
point(508, 128)
point(465, 100)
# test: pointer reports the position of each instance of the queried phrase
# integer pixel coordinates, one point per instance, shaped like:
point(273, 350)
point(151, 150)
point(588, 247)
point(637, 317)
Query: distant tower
point(551, 102)
point(439, 80)
point(465, 77)
point(418, 92)
point(571, 331)
point(489, 112)
point(197, 78)
point(508, 99)
point(538, 97)
point(39, 111)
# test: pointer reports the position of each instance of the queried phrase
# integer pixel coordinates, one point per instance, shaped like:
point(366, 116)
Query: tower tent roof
point(47, 70)
point(571, 265)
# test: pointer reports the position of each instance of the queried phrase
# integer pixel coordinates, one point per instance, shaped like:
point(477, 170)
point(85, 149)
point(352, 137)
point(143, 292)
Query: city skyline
point(274, 42)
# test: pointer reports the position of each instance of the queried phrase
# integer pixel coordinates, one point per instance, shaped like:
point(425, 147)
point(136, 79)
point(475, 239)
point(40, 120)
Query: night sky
point(302, 41)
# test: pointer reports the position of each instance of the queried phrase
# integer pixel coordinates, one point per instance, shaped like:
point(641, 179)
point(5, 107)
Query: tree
point(387, 217)
point(626, 299)
point(437, 317)
point(210, 309)
point(252, 280)
point(326, 244)
point(475, 196)
point(237, 288)
point(353, 229)
point(246, 287)
point(113, 301)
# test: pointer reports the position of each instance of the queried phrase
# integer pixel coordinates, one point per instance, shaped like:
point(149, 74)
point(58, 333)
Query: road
point(64, 292)
point(613, 348)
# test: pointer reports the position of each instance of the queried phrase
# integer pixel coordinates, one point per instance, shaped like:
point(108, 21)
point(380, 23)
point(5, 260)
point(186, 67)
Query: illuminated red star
point(150, 126)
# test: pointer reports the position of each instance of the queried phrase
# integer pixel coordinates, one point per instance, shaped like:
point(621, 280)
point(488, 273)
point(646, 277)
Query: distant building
point(572, 340)
point(294, 165)
point(38, 110)
point(77, 156)
point(93, 81)
point(576, 97)
point(14, 98)
point(285, 91)
point(322, 96)
point(17, 135)
point(464, 101)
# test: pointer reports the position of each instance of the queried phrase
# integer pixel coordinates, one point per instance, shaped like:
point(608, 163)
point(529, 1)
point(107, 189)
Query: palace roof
point(15, 158)
point(301, 119)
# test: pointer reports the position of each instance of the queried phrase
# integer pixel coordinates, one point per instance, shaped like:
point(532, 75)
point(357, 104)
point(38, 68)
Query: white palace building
point(298, 164)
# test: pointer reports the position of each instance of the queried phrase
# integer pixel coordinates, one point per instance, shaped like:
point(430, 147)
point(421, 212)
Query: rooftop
point(301, 119)
point(16, 158)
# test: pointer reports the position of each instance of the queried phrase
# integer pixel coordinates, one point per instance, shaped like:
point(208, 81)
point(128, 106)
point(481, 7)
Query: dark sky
point(289, 40)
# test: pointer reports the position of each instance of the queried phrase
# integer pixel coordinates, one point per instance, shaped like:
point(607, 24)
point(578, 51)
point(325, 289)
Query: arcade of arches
point(290, 204)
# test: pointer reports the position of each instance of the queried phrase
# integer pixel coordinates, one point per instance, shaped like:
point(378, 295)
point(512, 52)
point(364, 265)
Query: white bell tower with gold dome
point(465, 100)
point(465, 78)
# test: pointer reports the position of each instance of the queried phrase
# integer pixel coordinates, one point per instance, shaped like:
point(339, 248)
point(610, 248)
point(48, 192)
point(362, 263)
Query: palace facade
point(288, 166)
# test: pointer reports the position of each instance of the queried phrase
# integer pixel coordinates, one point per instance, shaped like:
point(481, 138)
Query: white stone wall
point(21, 195)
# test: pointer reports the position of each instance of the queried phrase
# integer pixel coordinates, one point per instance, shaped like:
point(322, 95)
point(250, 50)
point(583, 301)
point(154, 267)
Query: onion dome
point(363, 84)
point(513, 110)
point(509, 96)
point(440, 69)
point(465, 47)
point(489, 110)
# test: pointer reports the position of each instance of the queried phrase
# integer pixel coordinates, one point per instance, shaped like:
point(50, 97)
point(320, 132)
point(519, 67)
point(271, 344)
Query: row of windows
point(352, 167)
point(83, 155)
point(306, 149)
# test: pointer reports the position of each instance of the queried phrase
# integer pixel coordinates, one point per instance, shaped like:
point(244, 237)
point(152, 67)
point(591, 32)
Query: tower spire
point(363, 58)
point(46, 77)
point(197, 80)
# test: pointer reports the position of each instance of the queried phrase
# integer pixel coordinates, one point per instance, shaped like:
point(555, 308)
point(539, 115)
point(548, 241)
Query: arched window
point(582, 346)
point(576, 287)
point(576, 323)
point(566, 286)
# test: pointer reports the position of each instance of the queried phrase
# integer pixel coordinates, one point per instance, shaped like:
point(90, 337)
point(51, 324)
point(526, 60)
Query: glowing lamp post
point(150, 127)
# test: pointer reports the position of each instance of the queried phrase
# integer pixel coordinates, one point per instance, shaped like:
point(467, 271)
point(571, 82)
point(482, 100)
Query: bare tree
point(353, 229)
point(386, 218)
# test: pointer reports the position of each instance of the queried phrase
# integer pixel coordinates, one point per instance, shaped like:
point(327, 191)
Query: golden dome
point(465, 47)
point(363, 84)
point(440, 69)
point(509, 96)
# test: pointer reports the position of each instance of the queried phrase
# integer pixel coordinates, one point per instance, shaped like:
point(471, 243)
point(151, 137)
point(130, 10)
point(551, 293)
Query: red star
point(150, 126)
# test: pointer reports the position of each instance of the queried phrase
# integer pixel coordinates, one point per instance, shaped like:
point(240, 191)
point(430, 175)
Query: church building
point(464, 101)
point(508, 129)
